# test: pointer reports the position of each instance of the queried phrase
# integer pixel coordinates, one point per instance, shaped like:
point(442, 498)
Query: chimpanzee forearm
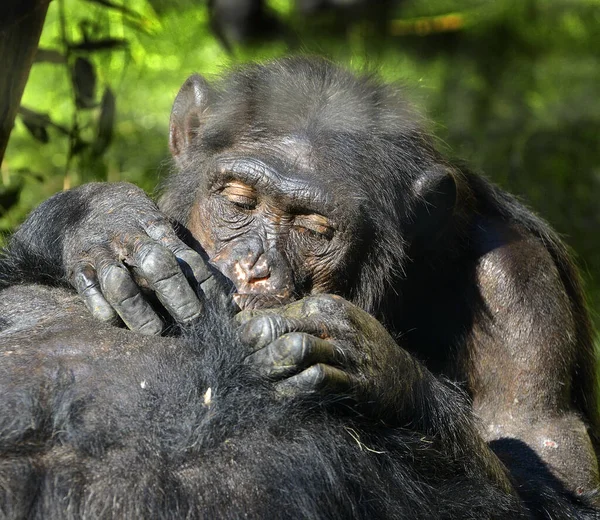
point(442, 412)
point(35, 252)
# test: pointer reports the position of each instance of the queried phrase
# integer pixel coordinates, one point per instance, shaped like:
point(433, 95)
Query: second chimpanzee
point(319, 195)
point(98, 422)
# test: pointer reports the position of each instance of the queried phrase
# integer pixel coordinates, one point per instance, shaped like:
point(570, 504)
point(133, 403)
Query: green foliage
point(513, 85)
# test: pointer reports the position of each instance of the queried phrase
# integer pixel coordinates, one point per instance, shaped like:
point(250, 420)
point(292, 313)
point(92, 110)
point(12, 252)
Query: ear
point(190, 103)
point(435, 195)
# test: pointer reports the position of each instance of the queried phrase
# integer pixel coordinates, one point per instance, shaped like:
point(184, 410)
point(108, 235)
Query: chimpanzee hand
point(121, 249)
point(324, 343)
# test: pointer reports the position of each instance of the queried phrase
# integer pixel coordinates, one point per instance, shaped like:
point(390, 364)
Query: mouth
point(247, 301)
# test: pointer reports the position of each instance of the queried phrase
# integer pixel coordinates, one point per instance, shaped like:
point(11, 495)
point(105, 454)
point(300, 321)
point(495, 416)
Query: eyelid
point(317, 223)
point(239, 193)
point(239, 189)
point(242, 199)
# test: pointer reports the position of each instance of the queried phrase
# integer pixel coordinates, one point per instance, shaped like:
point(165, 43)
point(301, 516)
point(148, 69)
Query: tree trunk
point(21, 23)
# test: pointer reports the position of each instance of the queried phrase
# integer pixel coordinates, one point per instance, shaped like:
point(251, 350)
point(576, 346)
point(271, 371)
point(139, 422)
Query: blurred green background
point(511, 86)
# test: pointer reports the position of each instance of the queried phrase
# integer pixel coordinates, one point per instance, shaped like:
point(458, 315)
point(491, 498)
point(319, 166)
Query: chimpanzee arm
point(109, 241)
point(35, 251)
point(526, 357)
point(325, 345)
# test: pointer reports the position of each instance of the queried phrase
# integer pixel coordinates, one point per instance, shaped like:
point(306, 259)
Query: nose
point(254, 270)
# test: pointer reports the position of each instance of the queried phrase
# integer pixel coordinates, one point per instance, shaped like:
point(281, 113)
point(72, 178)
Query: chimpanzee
point(372, 272)
point(101, 422)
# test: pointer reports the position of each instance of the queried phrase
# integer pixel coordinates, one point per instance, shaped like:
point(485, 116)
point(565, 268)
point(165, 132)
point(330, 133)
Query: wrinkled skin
point(367, 268)
point(270, 235)
point(146, 246)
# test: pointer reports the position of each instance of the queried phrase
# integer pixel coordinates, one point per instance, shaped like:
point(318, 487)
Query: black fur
point(37, 257)
point(128, 433)
point(118, 425)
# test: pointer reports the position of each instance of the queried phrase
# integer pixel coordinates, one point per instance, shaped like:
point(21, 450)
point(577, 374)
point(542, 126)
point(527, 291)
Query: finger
point(85, 280)
point(125, 296)
point(259, 331)
point(190, 261)
point(293, 352)
point(323, 315)
point(214, 285)
point(291, 310)
point(159, 267)
point(318, 378)
point(219, 289)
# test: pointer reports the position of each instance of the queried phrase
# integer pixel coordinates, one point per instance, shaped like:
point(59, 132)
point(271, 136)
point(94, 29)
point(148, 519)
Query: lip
point(252, 301)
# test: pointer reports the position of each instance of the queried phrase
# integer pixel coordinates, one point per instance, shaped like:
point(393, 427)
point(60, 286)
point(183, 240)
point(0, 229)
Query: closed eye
point(243, 202)
point(315, 224)
point(240, 195)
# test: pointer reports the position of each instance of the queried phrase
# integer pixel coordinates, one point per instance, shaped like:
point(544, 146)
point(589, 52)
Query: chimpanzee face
point(268, 224)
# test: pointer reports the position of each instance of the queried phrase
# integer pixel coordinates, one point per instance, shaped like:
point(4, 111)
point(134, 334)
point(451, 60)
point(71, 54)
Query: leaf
point(39, 119)
point(106, 123)
point(49, 56)
point(84, 81)
point(99, 45)
point(36, 124)
point(147, 23)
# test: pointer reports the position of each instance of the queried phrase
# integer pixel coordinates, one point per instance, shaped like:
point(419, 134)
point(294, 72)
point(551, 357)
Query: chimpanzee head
point(298, 177)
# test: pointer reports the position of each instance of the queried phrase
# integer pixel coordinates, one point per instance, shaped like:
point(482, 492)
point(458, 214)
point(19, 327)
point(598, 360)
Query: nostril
point(246, 272)
point(260, 270)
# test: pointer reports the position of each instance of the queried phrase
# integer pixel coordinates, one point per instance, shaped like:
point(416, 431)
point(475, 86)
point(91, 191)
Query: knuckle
point(189, 311)
point(89, 291)
point(316, 375)
point(249, 331)
point(152, 327)
point(158, 228)
point(138, 315)
point(182, 250)
point(84, 278)
point(210, 286)
point(83, 268)
point(297, 343)
point(131, 303)
point(199, 268)
point(260, 330)
point(156, 260)
point(266, 326)
point(171, 284)
point(113, 276)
